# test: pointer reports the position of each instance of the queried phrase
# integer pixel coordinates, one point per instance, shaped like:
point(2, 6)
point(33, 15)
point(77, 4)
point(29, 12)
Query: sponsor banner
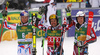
point(56, 33)
point(83, 5)
point(59, 5)
point(64, 5)
point(39, 33)
point(95, 23)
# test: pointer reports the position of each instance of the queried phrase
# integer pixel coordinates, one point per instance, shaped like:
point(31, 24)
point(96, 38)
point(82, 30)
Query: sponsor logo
point(13, 18)
point(85, 11)
point(98, 12)
point(90, 19)
point(96, 26)
point(23, 27)
point(54, 31)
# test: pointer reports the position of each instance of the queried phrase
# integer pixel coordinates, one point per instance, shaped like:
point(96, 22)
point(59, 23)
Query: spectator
point(83, 0)
point(10, 4)
point(71, 0)
point(88, 4)
point(22, 4)
point(15, 4)
point(74, 0)
point(94, 3)
point(2, 2)
point(59, 0)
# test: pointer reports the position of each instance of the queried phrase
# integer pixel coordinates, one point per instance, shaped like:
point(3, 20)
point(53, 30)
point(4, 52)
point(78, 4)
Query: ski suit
point(80, 34)
point(53, 33)
point(24, 33)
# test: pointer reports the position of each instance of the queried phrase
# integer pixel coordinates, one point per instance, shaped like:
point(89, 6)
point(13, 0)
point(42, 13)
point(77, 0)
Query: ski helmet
point(24, 13)
point(80, 14)
point(53, 16)
point(52, 1)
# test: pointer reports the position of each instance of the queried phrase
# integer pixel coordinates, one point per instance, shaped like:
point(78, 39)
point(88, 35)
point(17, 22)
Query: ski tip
point(91, 14)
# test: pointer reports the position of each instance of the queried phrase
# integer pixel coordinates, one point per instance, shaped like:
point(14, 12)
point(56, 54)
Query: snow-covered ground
point(10, 47)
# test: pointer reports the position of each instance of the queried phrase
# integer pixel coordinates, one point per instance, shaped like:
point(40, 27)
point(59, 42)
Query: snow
point(10, 47)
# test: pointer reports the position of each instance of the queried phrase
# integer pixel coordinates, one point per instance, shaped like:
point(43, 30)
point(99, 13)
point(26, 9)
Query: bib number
point(23, 35)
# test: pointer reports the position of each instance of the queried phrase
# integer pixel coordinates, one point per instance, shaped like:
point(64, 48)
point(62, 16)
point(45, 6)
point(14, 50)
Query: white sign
point(59, 5)
point(83, 4)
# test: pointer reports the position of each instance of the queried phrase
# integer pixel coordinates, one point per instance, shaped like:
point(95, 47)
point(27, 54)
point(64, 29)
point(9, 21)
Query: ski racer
point(81, 40)
point(54, 33)
point(24, 33)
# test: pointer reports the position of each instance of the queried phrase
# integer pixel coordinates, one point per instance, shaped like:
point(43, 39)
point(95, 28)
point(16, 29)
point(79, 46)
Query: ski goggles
point(54, 3)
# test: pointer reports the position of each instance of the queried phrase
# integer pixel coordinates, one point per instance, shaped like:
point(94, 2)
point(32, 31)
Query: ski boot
point(86, 51)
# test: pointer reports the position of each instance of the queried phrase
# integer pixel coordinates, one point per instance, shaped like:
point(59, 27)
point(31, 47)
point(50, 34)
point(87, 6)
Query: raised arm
point(69, 18)
point(37, 22)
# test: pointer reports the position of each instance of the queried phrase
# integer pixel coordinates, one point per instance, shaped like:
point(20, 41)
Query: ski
point(90, 19)
point(54, 47)
point(4, 16)
point(64, 25)
point(34, 33)
point(43, 45)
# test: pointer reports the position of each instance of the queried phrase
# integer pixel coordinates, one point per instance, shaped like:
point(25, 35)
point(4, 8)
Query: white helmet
point(51, 1)
point(80, 13)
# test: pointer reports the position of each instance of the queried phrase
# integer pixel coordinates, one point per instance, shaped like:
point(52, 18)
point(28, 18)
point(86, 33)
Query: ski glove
point(85, 42)
point(81, 44)
point(4, 14)
point(42, 10)
point(68, 11)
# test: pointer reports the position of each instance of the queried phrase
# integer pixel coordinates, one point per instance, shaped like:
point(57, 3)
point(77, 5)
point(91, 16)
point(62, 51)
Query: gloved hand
point(69, 5)
point(42, 10)
point(81, 43)
point(68, 9)
point(4, 14)
point(85, 43)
